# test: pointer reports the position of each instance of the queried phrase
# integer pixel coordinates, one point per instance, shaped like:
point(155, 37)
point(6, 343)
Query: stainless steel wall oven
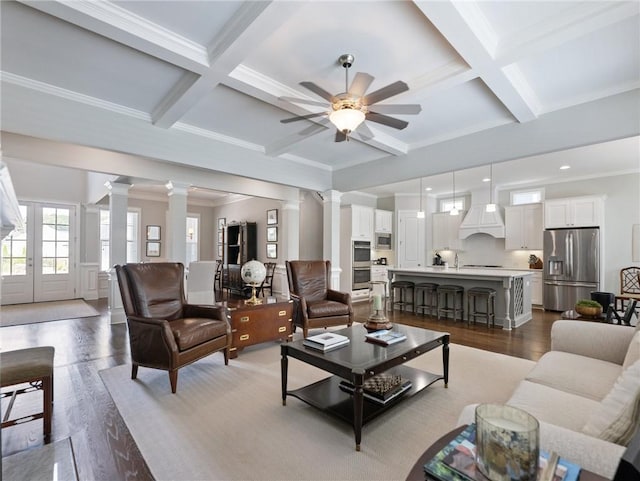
point(361, 266)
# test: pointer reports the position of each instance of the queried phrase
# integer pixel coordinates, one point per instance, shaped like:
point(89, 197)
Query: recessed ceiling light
point(565, 167)
point(486, 179)
point(428, 189)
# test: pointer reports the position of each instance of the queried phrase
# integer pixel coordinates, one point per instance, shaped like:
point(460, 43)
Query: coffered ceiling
point(199, 83)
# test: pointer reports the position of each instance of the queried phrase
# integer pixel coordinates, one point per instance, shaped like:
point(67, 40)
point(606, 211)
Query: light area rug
point(18, 314)
point(228, 422)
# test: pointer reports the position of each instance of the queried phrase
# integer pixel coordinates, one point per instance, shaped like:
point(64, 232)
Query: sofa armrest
point(607, 342)
point(593, 454)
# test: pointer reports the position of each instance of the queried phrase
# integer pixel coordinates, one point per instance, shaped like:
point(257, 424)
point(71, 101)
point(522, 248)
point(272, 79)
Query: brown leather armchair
point(315, 304)
point(164, 331)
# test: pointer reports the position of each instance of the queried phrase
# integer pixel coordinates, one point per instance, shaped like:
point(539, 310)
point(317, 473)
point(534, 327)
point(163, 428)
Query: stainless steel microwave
point(383, 241)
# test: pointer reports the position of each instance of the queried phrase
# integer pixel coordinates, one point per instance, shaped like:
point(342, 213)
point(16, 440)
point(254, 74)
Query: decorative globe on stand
point(253, 273)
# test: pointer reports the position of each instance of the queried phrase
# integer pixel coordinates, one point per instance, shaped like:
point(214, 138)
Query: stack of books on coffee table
point(327, 341)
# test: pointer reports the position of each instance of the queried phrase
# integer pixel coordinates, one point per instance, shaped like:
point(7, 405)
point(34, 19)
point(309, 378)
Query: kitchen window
point(447, 204)
point(534, 196)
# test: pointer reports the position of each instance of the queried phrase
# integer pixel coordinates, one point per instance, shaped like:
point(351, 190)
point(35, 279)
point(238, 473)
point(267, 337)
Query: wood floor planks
point(84, 410)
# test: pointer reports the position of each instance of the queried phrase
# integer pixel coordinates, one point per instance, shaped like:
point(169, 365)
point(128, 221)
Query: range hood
point(479, 221)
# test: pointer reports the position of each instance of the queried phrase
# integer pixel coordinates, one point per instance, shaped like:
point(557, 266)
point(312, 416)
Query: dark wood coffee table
point(359, 361)
point(417, 473)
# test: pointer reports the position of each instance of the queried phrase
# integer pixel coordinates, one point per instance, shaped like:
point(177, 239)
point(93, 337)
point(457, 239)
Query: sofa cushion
point(553, 405)
point(633, 353)
point(617, 416)
point(575, 374)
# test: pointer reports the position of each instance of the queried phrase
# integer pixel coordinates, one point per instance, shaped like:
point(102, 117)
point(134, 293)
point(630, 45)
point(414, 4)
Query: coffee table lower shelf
point(327, 396)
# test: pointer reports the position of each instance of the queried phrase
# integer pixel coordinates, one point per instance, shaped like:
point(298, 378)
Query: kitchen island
point(513, 296)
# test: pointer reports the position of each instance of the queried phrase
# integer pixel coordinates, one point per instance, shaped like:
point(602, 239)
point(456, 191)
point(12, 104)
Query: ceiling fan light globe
point(346, 120)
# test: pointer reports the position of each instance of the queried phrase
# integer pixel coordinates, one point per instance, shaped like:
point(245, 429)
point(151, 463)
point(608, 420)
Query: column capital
point(117, 188)
point(177, 188)
point(91, 208)
point(331, 196)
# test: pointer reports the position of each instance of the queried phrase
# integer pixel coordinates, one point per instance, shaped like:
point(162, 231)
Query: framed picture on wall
point(220, 251)
point(153, 249)
point(272, 234)
point(272, 251)
point(220, 237)
point(153, 232)
point(272, 216)
point(221, 222)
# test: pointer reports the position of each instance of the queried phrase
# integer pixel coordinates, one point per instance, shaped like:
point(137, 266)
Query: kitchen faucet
point(455, 262)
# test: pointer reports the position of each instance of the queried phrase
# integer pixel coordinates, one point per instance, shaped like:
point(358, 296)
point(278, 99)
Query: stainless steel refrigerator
point(571, 266)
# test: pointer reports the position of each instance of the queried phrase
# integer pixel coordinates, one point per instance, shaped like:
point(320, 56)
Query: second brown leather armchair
point(315, 303)
point(164, 331)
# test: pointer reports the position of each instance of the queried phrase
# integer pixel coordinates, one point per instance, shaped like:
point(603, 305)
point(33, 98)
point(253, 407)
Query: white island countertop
point(463, 272)
point(513, 287)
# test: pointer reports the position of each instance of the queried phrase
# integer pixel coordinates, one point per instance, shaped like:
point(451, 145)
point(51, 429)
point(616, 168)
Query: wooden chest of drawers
point(255, 324)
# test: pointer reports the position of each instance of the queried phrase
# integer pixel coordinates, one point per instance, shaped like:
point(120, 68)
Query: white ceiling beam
point(254, 22)
point(122, 26)
point(466, 29)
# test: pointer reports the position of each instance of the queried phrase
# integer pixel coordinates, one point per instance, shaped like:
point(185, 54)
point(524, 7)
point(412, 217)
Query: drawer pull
point(282, 313)
point(244, 337)
point(244, 319)
point(282, 329)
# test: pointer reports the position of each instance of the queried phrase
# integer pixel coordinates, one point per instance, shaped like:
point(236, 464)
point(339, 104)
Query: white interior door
point(410, 239)
point(39, 263)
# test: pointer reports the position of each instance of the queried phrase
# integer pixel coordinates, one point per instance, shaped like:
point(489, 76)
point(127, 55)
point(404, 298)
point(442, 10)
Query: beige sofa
point(590, 376)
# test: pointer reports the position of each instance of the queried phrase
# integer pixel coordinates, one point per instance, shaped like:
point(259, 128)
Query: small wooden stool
point(34, 366)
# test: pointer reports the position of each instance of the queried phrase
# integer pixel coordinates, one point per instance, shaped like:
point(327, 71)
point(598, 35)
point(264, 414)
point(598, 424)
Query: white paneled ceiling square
point(565, 76)
point(199, 22)
point(72, 58)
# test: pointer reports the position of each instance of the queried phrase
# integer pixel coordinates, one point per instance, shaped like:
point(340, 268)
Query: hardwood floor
point(84, 411)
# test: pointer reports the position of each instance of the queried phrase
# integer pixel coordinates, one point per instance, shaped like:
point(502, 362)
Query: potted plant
point(587, 307)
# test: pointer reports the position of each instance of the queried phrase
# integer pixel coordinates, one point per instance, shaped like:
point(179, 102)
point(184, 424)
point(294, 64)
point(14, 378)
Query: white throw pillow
point(618, 414)
point(633, 353)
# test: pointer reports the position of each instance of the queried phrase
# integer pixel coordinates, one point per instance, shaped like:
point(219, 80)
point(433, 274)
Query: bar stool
point(426, 297)
point(404, 289)
point(487, 295)
point(33, 366)
point(454, 293)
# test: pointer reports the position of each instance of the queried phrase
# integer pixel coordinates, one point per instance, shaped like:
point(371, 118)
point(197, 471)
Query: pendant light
point(454, 210)
point(420, 212)
point(491, 207)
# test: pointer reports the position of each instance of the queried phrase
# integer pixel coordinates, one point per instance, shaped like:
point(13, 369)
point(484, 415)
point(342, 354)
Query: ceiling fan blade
point(386, 120)
point(340, 136)
point(302, 117)
point(316, 127)
point(364, 132)
point(407, 109)
point(385, 92)
point(295, 100)
point(360, 84)
point(316, 89)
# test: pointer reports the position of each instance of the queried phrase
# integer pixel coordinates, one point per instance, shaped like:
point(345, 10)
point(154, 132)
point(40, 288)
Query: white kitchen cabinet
point(446, 231)
point(361, 218)
point(384, 221)
point(523, 227)
point(536, 288)
point(573, 212)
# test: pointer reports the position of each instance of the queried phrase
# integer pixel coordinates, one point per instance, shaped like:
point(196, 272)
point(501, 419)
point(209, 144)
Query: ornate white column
point(118, 204)
point(177, 223)
point(331, 233)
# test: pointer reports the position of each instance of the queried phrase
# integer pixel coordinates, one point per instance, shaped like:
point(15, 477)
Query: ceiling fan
point(348, 110)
